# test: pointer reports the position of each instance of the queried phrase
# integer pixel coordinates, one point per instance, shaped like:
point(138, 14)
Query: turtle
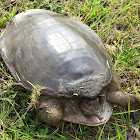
point(68, 59)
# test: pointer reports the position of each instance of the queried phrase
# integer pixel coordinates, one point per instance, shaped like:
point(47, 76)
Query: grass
point(117, 22)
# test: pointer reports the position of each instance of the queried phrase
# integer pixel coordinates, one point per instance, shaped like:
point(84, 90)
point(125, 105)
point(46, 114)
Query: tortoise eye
point(42, 109)
point(78, 75)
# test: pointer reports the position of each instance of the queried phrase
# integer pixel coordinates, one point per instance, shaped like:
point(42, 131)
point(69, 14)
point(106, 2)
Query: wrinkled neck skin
point(86, 111)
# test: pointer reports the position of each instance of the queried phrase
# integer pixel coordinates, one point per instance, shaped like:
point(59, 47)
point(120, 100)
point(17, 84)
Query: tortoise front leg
point(116, 96)
point(122, 99)
point(49, 110)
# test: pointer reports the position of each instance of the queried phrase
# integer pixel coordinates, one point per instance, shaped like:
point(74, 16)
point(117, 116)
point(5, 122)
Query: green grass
point(117, 22)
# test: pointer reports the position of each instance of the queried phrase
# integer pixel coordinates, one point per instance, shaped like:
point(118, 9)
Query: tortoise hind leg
point(116, 96)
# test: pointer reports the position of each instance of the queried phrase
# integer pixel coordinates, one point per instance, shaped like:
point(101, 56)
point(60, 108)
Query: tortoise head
point(88, 111)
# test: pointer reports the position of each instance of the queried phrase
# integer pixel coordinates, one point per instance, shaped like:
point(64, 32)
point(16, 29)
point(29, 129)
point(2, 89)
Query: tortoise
point(69, 60)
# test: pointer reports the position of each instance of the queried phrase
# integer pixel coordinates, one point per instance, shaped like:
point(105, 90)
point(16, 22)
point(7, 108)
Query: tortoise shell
point(61, 54)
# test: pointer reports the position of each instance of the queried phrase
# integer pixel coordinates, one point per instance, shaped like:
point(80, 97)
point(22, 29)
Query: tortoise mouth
point(74, 113)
